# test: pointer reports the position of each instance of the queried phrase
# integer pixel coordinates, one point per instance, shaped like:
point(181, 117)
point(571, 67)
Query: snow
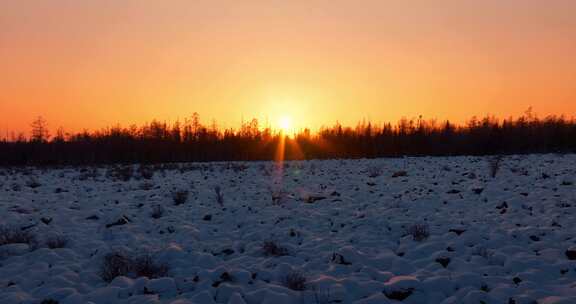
point(356, 231)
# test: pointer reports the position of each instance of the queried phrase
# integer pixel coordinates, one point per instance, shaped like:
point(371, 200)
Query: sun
point(285, 123)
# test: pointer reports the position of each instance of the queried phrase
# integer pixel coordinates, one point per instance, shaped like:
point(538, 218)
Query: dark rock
point(400, 174)
point(339, 259)
point(444, 261)
point(571, 254)
point(228, 251)
point(312, 198)
point(399, 295)
point(122, 221)
point(457, 231)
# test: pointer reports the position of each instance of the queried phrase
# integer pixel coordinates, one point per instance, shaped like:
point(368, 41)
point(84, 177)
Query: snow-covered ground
point(337, 231)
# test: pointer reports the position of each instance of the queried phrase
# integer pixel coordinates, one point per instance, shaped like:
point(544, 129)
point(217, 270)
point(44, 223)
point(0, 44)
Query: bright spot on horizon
point(285, 123)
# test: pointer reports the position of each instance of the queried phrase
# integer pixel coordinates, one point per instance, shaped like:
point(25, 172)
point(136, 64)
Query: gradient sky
point(94, 63)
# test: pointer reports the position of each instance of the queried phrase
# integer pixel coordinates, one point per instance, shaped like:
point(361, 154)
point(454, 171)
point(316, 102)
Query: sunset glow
point(287, 151)
point(92, 64)
point(285, 124)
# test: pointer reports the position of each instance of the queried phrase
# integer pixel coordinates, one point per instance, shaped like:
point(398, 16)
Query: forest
point(192, 141)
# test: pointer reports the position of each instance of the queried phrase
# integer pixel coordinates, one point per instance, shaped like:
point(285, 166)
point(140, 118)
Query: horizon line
point(529, 114)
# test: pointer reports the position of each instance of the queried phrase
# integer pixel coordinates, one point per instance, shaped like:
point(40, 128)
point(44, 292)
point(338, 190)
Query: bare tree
point(60, 135)
point(40, 130)
point(192, 141)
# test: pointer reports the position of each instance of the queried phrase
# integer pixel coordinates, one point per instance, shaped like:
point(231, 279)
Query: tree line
point(190, 141)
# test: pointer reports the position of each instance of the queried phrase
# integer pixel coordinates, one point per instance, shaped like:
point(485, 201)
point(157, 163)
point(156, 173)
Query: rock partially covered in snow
point(236, 298)
point(400, 287)
point(204, 297)
point(162, 287)
point(571, 253)
point(14, 249)
point(374, 299)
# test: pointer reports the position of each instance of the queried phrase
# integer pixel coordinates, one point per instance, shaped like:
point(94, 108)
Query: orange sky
point(94, 63)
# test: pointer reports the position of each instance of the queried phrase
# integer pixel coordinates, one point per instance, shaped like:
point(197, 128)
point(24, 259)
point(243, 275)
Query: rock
point(557, 300)
point(347, 255)
point(444, 261)
point(61, 293)
point(400, 174)
point(400, 287)
point(162, 286)
point(225, 291)
point(14, 249)
point(477, 296)
point(310, 199)
point(277, 298)
point(457, 231)
point(15, 297)
point(241, 276)
point(182, 301)
point(571, 253)
point(122, 221)
point(172, 253)
point(122, 282)
point(236, 298)
point(375, 299)
point(103, 295)
point(139, 284)
point(204, 297)
point(339, 259)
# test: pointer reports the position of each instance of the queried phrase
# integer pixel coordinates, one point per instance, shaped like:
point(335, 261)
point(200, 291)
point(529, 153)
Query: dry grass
point(117, 264)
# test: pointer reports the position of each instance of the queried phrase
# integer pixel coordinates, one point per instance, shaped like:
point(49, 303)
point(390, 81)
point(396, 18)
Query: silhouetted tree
point(191, 141)
point(40, 130)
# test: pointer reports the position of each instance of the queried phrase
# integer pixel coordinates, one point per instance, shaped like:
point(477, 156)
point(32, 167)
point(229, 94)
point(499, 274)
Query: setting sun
point(285, 124)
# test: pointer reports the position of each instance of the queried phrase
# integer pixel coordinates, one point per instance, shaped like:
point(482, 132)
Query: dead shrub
point(219, 195)
point(56, 241)
point(374, 171)
point(494, 164)
point(15, 235)
point(145, 266)
point(117, 264)
point(157, 212)
point(399, 174)
point(270, 248)
point(295, 280)
point(419, 232)
point(180, 197)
